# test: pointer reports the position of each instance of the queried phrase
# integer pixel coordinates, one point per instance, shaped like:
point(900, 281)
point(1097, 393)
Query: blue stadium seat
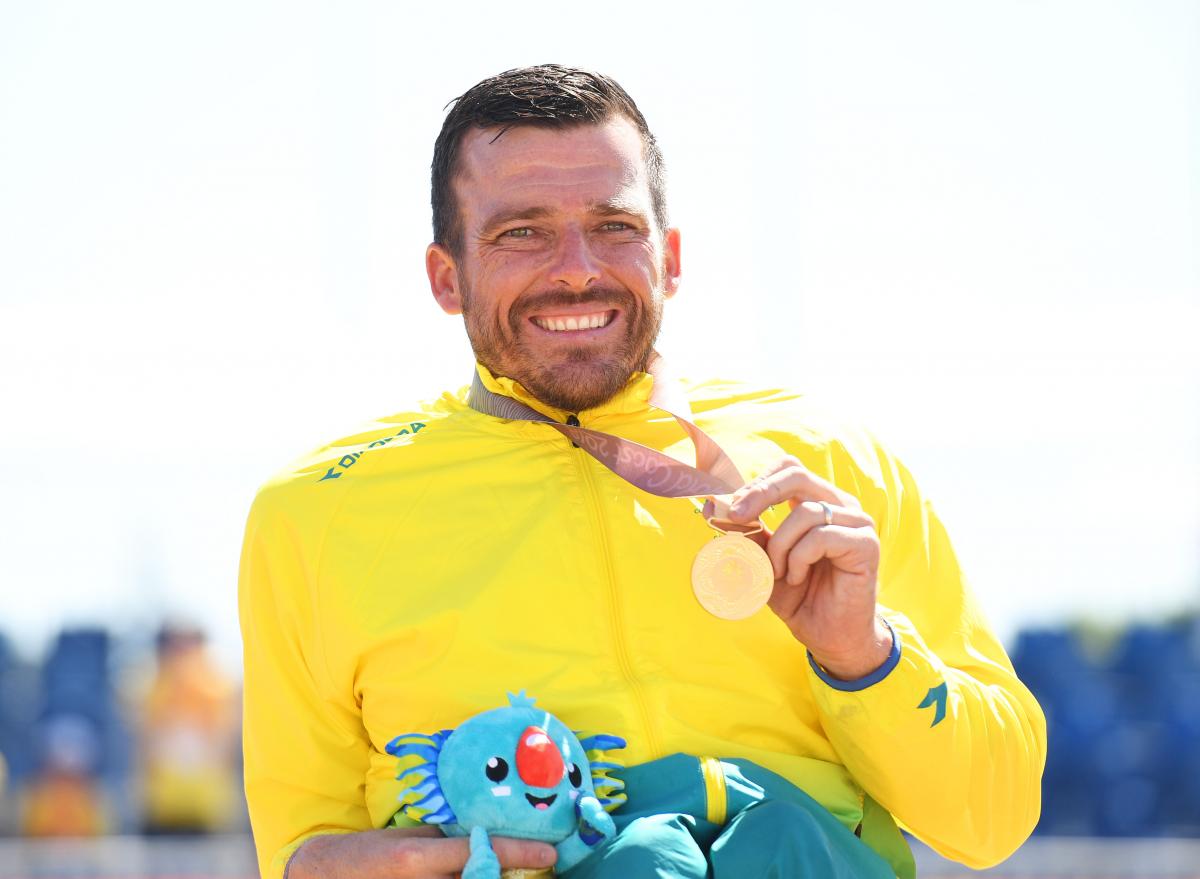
point(76, 680)
point(1048, 660)
point(1124, 734)
point(1146, 651)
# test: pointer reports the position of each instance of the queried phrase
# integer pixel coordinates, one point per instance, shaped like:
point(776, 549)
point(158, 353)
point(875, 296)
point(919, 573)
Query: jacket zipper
point(619, 641)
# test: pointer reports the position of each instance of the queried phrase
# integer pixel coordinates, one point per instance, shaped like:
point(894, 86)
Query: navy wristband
point(867, 680)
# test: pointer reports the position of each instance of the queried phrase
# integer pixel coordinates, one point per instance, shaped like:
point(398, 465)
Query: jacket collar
point(632, 398)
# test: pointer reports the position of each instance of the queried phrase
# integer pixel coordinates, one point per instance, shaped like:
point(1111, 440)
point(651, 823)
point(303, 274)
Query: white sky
point(975, 225)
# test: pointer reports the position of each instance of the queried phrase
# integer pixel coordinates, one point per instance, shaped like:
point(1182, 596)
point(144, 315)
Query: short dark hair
point(545, 96)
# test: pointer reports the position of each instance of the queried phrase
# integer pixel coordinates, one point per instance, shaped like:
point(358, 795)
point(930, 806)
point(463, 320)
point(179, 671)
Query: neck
point(633, 395)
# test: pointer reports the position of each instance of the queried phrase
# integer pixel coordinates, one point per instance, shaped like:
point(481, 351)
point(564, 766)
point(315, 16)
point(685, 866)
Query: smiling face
point(517, 772)
point(563, 270)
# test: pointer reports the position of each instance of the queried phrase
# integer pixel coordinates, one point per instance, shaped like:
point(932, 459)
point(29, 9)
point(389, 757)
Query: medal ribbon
point(649, 469)
point(730, 597)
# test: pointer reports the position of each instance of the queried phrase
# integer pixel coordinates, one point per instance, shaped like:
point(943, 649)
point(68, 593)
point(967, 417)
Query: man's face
point(563, 271)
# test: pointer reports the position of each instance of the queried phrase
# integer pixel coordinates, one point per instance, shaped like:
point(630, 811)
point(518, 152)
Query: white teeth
point(583, 322)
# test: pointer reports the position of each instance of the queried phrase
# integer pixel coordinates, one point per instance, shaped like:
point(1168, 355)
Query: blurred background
point(974, 227)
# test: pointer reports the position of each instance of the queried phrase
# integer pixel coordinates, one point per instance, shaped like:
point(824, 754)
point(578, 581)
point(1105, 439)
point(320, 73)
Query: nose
point(538, 762)
point(575, 265)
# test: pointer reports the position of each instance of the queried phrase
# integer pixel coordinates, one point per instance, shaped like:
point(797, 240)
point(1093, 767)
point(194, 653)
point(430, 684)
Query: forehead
point(556, 168)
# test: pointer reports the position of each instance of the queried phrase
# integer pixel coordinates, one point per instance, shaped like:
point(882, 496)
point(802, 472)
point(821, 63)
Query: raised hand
point(825, 557)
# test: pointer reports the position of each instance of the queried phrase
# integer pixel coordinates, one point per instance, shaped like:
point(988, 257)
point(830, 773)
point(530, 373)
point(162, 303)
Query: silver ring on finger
point(828, 512)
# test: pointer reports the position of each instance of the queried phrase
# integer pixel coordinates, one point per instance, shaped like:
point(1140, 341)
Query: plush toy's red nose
point(538, 762)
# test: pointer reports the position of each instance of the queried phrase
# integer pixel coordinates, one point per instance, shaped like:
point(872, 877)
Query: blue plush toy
point(514, 771)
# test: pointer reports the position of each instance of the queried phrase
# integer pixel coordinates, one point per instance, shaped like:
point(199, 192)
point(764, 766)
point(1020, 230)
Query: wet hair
point(545, 96)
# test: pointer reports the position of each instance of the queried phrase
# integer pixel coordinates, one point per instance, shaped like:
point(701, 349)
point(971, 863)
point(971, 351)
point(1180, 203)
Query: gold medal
point(732, 576)
point(522, 873)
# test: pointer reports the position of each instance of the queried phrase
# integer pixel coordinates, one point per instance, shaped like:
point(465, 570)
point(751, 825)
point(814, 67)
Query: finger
point(806, 516)
point(523, 853)
point(788, 481)
point(786, 599)
point(428, 857)
point(448, 856)
point(854, 550)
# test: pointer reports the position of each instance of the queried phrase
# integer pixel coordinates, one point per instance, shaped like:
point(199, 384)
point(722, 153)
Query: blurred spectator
point(188, 726)
point(64, 799)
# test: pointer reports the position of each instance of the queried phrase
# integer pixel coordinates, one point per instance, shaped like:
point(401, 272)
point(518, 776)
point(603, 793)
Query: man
point(406, 577)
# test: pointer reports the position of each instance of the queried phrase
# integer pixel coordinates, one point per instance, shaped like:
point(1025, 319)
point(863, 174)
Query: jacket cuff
point(915, 695)
point(865, 681)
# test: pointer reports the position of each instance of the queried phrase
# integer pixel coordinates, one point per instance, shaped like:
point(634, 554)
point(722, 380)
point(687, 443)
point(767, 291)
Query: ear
point(443, 278)
point(671, 263)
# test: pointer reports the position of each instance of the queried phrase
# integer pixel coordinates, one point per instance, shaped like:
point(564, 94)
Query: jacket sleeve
point(949, 741)
point(305, 749)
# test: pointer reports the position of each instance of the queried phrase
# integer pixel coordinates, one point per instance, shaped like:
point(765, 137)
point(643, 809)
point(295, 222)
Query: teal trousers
point(773, 830)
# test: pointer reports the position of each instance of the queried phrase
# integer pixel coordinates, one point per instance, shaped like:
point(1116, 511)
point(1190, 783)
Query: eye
point(496, 769)
point(575, 776)
point(523, 232)
point(615, 226)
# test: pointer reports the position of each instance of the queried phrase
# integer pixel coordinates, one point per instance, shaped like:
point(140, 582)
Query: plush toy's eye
point(575, 775)
point(496, 769)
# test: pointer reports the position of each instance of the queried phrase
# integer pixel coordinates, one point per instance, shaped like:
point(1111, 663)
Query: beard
point(571, 378)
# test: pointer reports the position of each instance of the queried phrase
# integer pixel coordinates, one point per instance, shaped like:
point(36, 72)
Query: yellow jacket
point(407, 577)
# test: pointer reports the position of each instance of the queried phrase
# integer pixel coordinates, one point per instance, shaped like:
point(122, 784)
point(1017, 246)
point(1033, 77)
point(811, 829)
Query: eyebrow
point(504, 216)
point(615, 206)
point(611, 207)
